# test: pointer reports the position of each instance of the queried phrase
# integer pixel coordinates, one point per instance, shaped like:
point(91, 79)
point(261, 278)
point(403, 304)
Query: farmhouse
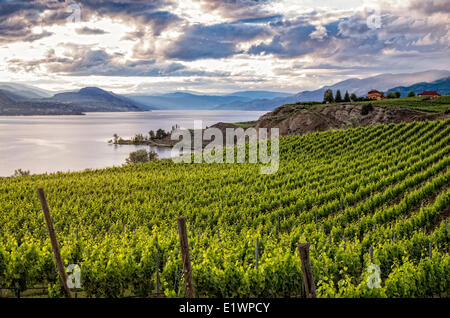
point(374, 94)
point(429, 94)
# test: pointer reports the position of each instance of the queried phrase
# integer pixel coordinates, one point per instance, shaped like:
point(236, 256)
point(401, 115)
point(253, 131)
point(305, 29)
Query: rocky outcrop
point(293, 119)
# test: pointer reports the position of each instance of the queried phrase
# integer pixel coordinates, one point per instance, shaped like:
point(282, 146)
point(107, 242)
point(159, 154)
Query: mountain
point(358, 86)
point(27, 100)
point(259, 104)
point(442, 86)
point(12, 107)
point(23, 91)
point(94, 99)
point(299, 119)
point(191, 101)
point(182, 100)
point(260, 94)
point(381, 82)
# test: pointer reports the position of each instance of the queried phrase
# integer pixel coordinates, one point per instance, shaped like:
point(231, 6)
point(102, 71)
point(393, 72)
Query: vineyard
point(378, 194)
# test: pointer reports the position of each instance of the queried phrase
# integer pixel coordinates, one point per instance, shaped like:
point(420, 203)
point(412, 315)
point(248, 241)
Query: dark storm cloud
point(19, 17)
point(245, 27)
point(290, 41)
point(90, 31)
point(431, 6)
point(236, 9)
point(214, 41)
point(351, 39)
point(84, 61)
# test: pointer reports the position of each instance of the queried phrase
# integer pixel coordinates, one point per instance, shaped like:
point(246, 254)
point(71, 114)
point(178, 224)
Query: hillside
point(13, 105)
point(369, 195)
point(310, 117)
point(359, 86)
point(94, 99)
point(442, 86)
point(25, 91)
point(195, 101)
point(29, 100)
point(438, 105)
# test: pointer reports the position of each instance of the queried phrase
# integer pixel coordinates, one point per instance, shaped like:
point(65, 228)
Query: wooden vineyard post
point(157, 268)
point(257, 252)
point(184, 247)
point(308, 280)
point(55, 247)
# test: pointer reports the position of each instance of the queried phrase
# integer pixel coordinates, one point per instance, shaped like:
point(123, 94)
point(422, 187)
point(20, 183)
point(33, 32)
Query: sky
point(217, 46)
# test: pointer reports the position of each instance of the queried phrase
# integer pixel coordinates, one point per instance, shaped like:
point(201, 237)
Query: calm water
point(72, 143)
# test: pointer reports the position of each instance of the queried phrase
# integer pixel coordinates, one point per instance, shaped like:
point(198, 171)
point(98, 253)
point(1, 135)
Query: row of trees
point(139, 138)
point(329, 98)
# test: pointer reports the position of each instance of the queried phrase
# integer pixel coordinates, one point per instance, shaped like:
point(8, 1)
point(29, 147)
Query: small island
point(160, 138)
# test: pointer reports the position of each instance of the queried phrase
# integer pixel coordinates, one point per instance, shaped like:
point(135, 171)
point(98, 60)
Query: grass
point(440, 104)
point(245, 124)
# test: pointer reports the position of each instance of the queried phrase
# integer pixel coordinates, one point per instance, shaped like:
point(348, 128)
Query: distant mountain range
point(20, 99)
point(12, 104)
point(358, 86)
point(17, 101)
point(191, 101)
point(442, 86)
point(24, 91)
point(94, 99)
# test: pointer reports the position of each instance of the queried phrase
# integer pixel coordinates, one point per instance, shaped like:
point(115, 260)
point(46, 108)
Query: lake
point(73, 143)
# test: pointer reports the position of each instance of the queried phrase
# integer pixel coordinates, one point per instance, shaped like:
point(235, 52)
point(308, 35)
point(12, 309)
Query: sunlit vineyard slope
point(343, 191)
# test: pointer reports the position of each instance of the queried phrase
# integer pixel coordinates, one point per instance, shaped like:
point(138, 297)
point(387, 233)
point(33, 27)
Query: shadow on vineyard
point(371, 202)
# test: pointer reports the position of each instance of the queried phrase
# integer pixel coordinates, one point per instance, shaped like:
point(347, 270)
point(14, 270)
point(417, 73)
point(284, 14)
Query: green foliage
point(328, 96)
point(141, 156)
point(391, 95)
point(21, 173)
point(347, 97)
point(440, 104)
point(366, 109)
point(342, 191)
point(338, 98)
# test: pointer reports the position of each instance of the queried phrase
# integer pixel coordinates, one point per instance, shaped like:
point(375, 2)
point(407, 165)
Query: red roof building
point(432, 94)
point(374, 94)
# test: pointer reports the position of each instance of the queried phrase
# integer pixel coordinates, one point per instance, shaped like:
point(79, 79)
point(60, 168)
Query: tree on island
point(338, 98)
point(160, 134)
point(328, 96)
point(151, 133)
point(21, 173)
point(116, 138)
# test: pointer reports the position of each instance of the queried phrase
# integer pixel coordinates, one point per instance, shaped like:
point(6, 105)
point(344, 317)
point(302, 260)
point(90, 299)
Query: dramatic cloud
point(19, 17)
point(277, 44)
point(237, 9)
point(90, 31)
point(85, 61)
point(431, 6)
point(214, 41)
